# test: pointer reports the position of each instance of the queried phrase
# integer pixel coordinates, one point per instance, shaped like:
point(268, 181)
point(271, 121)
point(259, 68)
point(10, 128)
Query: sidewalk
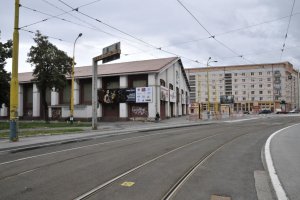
point(282, 158)
point(104, 128)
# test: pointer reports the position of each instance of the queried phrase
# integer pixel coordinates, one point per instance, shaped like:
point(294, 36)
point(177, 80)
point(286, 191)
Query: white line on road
point(280, 193)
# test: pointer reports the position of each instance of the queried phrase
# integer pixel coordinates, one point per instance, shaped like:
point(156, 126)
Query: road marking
point(128, 184)
point(216, 197)
point(280, 193)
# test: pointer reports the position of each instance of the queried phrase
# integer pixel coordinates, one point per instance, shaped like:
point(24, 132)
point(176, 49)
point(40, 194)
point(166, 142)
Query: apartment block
point(252, 87)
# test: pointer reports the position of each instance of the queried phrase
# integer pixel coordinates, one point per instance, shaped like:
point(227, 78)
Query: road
point(183, 163)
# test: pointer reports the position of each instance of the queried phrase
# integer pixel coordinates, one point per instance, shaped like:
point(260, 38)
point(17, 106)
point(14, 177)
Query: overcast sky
point(253, 29)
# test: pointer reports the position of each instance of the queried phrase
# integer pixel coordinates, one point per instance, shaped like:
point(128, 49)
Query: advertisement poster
point(111, 96)
point(164, 93)
point(143, 94)
point(172, 96)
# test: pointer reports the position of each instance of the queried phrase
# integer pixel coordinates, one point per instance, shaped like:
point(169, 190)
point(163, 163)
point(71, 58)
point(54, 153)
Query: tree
point(51, 67)
point(5, 53)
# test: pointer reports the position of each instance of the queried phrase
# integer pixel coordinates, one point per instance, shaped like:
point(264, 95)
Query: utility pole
point(14, 83)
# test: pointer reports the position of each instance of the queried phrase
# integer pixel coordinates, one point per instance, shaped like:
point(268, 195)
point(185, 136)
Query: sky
point(232, 32)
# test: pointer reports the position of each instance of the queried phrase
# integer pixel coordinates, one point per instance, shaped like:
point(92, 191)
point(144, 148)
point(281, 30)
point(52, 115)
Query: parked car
point(265, 112)
point(246, 112)
point(295, 111)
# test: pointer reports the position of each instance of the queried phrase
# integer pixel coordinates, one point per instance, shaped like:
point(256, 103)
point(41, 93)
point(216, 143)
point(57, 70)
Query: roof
point(233, 67)
point(116, 69)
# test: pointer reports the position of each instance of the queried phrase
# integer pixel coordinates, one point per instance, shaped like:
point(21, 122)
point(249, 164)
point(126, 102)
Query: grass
point(24, 133)
point(42, 124)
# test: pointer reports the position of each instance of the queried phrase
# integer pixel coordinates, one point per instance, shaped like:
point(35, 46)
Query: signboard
point(227, 99)
point(144, 94)
point(164, 93)
point(109, 53)
point(111, 96)
point(172, 96)
point(183, 99)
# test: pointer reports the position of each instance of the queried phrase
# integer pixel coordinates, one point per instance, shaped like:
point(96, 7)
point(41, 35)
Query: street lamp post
point(72, 83)
point(207, 83)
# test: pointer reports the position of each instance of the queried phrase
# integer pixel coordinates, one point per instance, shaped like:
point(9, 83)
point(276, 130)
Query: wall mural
point(139, 111)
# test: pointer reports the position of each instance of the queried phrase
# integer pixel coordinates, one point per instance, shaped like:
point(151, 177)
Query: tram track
point(180, 181)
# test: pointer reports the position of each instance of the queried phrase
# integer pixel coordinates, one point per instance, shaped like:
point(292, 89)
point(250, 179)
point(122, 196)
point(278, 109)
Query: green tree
point(5, 53)
point(51, 67)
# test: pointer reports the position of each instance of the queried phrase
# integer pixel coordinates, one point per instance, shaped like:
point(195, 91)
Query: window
point(252, 73)
point(269, 92)
point(260, 73)
point(252, 79)
point(260, 79)
point(243, 74)
point(244, 86)
point(235, 80)
point(268, 72)
point(252, 98)
point(269, 85)
point(137, 83)
point(260, 85)
point(193, 77)
point(252, 86)
point(261, 98)
point(162, 82)
point(244, 92)
point(268, 79)
point(235, 74)
point(244, 98)
point(236, 92)
point(243, 80)
point(252, 92)
point(260, 92)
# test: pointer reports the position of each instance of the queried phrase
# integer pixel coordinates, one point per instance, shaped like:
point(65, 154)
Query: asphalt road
point(183, 163)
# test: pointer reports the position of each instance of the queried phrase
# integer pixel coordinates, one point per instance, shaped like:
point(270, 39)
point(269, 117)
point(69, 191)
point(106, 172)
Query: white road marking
point(280, 193)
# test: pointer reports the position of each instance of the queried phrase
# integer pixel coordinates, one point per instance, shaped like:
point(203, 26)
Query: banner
point(172, 96)
point(164, 93)
point(227, 99)
point(144, 94)
point(111, 96)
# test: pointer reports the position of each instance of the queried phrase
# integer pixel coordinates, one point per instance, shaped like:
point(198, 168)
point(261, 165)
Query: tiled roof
point(144, 66)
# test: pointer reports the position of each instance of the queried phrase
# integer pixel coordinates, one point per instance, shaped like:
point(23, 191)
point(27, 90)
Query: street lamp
point(207, 83)
point(72, 82)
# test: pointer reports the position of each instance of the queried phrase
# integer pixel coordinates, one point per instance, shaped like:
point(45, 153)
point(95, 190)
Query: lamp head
point(80, 34)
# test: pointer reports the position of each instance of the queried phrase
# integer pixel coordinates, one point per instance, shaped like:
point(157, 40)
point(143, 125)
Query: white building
point(154, 86)
point(253, 87)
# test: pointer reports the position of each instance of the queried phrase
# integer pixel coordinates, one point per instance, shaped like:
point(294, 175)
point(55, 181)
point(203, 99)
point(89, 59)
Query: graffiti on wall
point(139, 111)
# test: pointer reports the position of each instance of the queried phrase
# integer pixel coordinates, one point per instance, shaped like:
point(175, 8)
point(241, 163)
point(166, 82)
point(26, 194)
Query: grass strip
point(24, 133)
point(42, 124)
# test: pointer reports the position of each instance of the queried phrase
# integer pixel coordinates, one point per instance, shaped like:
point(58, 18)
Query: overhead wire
point(212, 35)
point(125, 33)
point(287, 30)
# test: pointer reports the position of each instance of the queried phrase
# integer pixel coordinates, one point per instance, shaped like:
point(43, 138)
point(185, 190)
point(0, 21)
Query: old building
point(130, 90)
point(251, 87)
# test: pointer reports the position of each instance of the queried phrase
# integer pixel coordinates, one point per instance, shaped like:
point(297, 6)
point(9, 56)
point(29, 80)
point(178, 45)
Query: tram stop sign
point(110, 53)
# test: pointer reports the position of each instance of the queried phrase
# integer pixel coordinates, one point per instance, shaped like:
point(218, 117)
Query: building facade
point(132, 90)
point(252, 87)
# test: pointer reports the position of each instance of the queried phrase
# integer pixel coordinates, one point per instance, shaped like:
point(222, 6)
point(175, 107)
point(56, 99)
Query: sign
point(227, 99)
point(164, 93)
point(172, 96)
point(144, 94)
point(109, 53)
point(183, 99)
point(110, 96)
